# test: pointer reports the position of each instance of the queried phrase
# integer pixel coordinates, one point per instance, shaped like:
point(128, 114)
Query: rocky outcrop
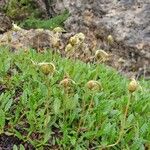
point(128, 21)
point(50, 8)
point(5, 23)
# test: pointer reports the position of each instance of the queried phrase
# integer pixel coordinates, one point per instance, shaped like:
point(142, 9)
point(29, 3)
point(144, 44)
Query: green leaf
point(2, 119)
point(8, 105)
point(130, 119)
point(15, 147)
point(7, 64)
point(56, 106)
point(73, 140)
point(47, 134)
point(21, 147)
point(18, 134)
point(47, 120)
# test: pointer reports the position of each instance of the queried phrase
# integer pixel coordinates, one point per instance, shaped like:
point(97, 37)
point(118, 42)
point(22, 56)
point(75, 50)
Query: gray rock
point(128, 21)
point(50, 8)
point(5, 23)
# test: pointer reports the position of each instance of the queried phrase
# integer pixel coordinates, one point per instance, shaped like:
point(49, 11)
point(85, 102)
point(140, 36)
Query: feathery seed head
point(133, 85)
point(47, 68)
point(93, 85)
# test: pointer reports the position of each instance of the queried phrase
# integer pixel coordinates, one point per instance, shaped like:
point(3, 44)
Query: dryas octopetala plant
point(133, 85)
point(59, 30)
point(101, 55)
point(110, 39)
point(46, 68)
point(75, 41)
point(66, 82)
point(15, 27)
point(94, 85)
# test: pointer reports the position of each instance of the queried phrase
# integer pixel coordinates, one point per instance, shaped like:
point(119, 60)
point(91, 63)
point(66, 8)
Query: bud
point(93, 85)
point(121, 60)
point(67, 82)
point(133, 85)
point(101, 55)
point(81, 36)
point(59, 29)
point(16, 28)
point(74, 40)
point(40, 30)
point(26, 50)
point(110, 39)
point(55, 42)
point(47, 68)
point(68, 47)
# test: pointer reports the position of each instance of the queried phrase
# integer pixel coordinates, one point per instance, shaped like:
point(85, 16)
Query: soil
point(7, 143)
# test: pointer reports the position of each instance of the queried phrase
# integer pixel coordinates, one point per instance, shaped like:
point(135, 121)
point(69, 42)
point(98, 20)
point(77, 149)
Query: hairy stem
point(123, 123)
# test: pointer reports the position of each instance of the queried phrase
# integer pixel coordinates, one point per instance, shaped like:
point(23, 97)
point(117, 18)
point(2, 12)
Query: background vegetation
point(26, 14)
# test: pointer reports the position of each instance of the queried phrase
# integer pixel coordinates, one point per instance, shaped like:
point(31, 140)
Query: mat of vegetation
point(33, 23)
point(61, 109)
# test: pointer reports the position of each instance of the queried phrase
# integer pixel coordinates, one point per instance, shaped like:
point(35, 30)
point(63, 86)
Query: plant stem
point(122, 126)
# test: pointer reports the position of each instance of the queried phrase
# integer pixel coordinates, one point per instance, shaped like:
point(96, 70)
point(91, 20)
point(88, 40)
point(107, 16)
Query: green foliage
point(25, 13)
point(21, 9)
point(45, 24)
point(38, 105)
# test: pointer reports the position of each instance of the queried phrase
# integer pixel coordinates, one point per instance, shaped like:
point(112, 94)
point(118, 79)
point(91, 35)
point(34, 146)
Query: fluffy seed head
point(74, 40)
point(81, 36)
point(55, 42)
point(47, 68)
point(67, 82)
point(93, 85)
point(110, 39)
point(101, 55)
point(16, 27)
point(68, 47)
point(121, 60)
point(133, 85)
point(59, 29)
point(40, 30)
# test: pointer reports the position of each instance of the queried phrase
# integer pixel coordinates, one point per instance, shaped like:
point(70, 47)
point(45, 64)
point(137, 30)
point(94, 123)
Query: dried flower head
point(69, 47)
point(59, 29)
point(16, 27)
point(47, 68)
point(121, 60)
point(66, 82)
point(101, 55)
point(55, 42)
point(81, 36)
point(110, 39)
point(26, 50)
point(40, 30)
point(74, 40)
point(94, 85)
point(133, 85)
